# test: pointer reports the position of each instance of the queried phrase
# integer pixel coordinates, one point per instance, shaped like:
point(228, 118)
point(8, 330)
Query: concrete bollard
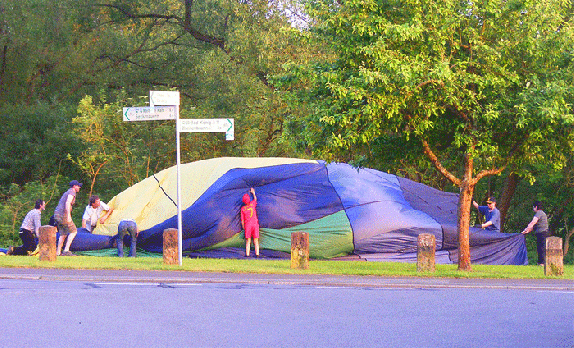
point(300, 250)
point(426, 246)
point(554, 260)
point(170, 251)
point(47, 243)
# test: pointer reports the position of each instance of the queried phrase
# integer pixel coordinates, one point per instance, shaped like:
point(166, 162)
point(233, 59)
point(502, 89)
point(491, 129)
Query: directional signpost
point(163, 98)
point(164, 105)
point(146, 113)
point(213, 125)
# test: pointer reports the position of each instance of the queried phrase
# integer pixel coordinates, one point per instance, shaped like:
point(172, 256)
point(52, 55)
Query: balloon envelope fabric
point(346, 211)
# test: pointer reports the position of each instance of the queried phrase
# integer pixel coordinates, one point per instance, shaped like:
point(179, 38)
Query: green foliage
point(39, 39)
point(18, 200)
point(490, 80)
point(34, 143)
point(555, 189)
point(216, 53)
point(119, 154)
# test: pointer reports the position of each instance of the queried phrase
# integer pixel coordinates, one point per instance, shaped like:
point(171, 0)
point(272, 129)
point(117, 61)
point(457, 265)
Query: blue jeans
point(125, 227)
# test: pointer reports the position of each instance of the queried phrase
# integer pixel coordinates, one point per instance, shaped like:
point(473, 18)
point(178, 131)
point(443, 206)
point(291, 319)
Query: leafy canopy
point(489, 80)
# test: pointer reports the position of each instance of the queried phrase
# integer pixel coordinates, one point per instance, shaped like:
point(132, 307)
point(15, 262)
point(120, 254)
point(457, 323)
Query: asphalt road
point(57, 308)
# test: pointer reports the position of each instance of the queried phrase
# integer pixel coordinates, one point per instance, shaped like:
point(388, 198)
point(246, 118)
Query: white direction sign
point(210, 125)
point(163, 98)
point(146, 113)
point(164, 105)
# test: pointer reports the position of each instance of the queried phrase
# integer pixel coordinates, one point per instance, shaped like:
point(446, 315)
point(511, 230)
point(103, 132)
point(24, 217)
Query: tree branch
point(129, 14)
point(187, 19)
point(428, 82)
point(459, 113)
point(488, 172)
point(185, 23)
point(496, 171)
point(434, 159)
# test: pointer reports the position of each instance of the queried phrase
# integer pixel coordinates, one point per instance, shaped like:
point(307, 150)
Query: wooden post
point(426, 246)
point(47, 243)
point(554, 259)
point(300, 250)
point(170, 250)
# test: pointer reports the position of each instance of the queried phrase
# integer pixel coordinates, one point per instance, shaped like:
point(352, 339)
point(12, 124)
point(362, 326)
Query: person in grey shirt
point(63, 217)
point(539, 225)
point(30, 230)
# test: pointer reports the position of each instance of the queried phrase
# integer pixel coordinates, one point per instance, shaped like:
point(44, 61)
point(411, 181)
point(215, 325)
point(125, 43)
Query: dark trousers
point(541, 246)
point(29, 242)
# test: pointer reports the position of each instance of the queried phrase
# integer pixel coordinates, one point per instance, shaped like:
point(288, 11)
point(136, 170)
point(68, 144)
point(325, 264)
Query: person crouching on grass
point(127, 226)
point(250, 223)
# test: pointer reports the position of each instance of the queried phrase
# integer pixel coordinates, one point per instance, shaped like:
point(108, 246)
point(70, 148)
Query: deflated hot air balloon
point(365, 213)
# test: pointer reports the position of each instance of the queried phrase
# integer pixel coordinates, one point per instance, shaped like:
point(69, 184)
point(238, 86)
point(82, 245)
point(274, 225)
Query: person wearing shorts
point(127, 226)
point(250, 223)
point(63, 218)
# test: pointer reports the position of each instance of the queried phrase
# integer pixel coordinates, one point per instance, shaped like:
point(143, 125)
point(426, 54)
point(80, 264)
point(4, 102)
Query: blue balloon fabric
point(347, 211)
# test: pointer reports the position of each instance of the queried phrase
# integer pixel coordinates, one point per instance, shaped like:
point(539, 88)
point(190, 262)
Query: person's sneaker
point(67, 253)
point(10, 251)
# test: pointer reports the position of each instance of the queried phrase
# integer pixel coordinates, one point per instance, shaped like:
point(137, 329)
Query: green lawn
point(266, 266)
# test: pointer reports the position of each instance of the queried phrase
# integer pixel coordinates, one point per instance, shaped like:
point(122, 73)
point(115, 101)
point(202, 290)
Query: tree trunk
point(567, 237)
point(509, 188)
point(3, 66)
point(464, 201)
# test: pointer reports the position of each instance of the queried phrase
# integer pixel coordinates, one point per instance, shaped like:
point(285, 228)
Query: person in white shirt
point(93, 213)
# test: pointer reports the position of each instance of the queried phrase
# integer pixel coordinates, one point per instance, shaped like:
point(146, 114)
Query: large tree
point(217, 53)
point(476, 86)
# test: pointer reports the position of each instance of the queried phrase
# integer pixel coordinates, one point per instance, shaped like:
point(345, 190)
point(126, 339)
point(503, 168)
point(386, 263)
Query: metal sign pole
point(179, 219)
point(169, 100)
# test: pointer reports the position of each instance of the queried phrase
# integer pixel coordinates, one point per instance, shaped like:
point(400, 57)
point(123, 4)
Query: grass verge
point(268, 266)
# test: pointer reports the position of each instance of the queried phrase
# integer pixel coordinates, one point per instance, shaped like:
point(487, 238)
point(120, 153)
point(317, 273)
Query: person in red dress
point(250, 223)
